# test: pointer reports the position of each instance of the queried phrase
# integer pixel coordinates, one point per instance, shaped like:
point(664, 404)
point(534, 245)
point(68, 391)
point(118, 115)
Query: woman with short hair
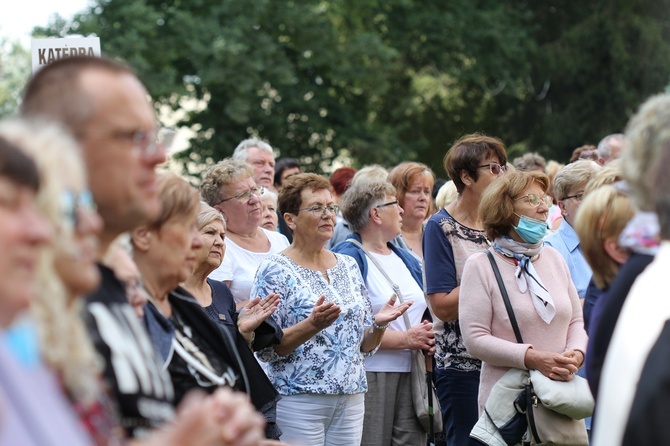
point(414, 186)
point(327, 319)
point(375, 216)
point(229, 187)
point(451, 236)
point(513, 211)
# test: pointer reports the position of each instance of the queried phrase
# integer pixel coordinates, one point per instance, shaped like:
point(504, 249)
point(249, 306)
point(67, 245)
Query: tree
point(14, 70)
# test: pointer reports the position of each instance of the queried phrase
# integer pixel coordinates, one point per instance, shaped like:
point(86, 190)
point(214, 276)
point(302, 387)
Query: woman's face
point(416, 203)
point(213, 247)
point(486, 174)
point(312, 224)
point(523, 205)
point(77, 242)
point(270, 217)
point(242, 214)
point(23, 231)
point(391, 216)
point(175, 248)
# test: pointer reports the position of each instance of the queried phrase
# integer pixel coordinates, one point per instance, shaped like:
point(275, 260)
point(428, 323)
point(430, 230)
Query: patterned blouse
point(331, 362)
point(447, 244)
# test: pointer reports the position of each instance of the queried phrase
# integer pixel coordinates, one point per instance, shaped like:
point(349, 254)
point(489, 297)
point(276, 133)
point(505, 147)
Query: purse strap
point(396, 288)
point(503, 291)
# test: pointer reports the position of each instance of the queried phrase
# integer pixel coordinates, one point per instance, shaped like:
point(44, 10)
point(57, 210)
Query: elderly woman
point(451, 236)
point(270, 217)
point(414, 185)
point(196, 351)
point(327, 320)
point(513, 211)
point(229, 187)
point(375, 216)
point(218, 303)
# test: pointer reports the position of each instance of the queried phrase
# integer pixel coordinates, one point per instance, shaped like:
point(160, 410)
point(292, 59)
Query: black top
point(133, 370)
point(605, 315)
point(648, 419)
point(214, 346)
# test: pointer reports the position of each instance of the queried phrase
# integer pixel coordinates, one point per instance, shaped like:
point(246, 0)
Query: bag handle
point(503, 291)
point(396, 288)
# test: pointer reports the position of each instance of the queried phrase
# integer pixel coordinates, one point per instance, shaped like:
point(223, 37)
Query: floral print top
point(447, 244)
point(331, 362)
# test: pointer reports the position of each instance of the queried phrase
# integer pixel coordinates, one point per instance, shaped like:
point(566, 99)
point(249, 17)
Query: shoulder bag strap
point(503, 291)
point(396, 288)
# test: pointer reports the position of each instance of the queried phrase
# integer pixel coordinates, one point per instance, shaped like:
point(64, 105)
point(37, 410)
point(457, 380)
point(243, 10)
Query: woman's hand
point(556, 366)
point(389, 312)
point(256, 312)
point(421, 337)
point(324, 313)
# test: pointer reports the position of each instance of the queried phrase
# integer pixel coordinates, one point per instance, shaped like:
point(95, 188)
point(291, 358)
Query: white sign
point(45, 51)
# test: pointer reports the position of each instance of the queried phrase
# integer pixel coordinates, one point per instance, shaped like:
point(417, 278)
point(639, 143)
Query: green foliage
point(389, 81)
point(14, 70)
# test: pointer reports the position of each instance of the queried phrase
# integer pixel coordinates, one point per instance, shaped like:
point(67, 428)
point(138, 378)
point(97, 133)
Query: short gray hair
point(242, 149)
point(648, 136)
point(362, 196)
point(223, 173)
point(268, 193)
point(603, 149)
point(574, 174)
point(530, 161)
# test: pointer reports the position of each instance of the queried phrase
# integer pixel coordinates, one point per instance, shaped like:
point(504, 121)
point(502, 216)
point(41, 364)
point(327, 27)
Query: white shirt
point(380, 291)
point(239, 265)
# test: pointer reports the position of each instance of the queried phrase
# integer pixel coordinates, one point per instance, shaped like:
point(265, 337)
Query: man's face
point(122, 176)
point(570, 205)
point(264, 166)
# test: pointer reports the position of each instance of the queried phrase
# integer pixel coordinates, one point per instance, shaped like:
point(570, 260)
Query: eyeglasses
point(535, 200)
point(146, 143)
point(246, 195)
point(390, 203)
point(495, 168)
point(320, 211)
point(73, 203)
point(577, 197)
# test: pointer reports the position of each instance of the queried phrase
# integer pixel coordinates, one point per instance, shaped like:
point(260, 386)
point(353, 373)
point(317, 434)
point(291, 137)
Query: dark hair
point(341, 178)
point(17, 166)
point(54, 92)
point(290, 197)
point(468, 153)
point(281, 165)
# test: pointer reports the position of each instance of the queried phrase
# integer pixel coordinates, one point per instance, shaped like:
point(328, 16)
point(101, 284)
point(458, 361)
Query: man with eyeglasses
point(569, 186)
point(107, 109)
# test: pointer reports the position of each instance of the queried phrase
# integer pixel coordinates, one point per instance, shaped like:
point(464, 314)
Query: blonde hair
point(575, 174)
point(604, 213)
point(223, 173)
point(446, 194)
point(64, 342)
point(207, 215)
point(607, 175)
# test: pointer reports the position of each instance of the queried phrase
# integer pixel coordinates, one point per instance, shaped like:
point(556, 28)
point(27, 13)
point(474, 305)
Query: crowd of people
point(272, 306)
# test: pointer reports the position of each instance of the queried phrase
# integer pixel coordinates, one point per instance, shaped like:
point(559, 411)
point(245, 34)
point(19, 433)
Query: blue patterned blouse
point(331, 362)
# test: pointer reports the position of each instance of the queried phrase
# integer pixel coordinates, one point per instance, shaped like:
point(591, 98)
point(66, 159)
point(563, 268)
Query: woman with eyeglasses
point(414, 186)
point(375, 216)
point(513, 212)
point(451, 236)
point(328, 322)
point(229, 187)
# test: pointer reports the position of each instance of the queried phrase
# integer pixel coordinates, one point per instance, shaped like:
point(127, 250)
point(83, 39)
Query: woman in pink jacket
point(514, 212)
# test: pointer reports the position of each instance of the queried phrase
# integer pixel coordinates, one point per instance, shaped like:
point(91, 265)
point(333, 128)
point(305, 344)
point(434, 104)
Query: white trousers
point(321, 420)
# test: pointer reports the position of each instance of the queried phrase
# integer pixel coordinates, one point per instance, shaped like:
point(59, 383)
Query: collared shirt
point(566, 241)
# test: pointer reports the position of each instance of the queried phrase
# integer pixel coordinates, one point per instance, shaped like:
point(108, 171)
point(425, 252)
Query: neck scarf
point(527, 278)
